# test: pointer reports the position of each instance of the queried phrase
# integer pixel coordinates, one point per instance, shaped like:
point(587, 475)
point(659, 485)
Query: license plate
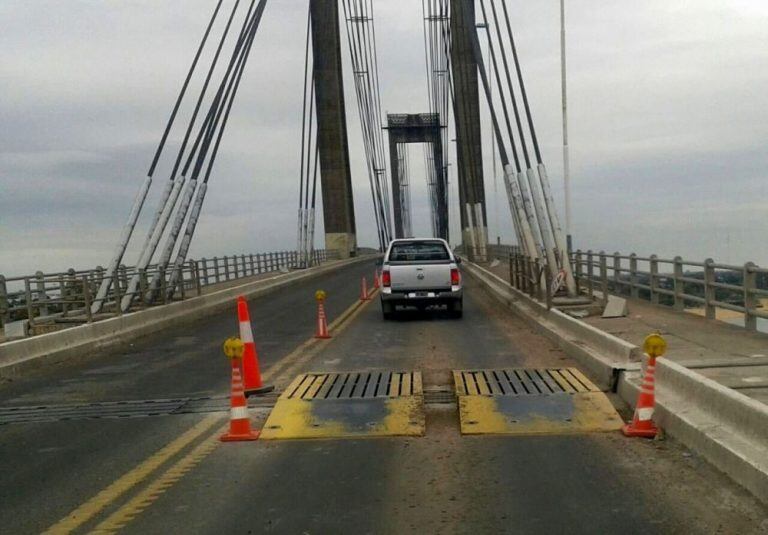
point(413, 295)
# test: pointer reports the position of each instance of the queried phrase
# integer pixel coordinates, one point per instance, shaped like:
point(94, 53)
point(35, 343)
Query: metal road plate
point(348, 405)
point(531, 402)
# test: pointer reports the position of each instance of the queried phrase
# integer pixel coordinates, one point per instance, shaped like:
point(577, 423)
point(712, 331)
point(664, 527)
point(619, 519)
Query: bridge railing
point(47, 300)
point(682, 284)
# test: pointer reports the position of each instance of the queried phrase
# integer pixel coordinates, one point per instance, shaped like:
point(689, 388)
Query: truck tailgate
point(427, 276)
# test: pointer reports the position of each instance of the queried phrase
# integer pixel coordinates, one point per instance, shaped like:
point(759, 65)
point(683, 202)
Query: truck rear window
point(422, 251)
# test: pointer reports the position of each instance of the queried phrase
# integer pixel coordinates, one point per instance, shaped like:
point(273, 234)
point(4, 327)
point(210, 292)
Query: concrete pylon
point(336, 178)
point(467, 116)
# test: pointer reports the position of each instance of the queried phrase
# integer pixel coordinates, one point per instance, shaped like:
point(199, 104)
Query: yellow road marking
point(107, 496)
point(101, 500)
point(136, 505)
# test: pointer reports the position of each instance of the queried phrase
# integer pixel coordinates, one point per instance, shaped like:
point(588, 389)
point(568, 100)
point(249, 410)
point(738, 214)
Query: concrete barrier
point(727, 428)
point(17, 356)
point(601, 353)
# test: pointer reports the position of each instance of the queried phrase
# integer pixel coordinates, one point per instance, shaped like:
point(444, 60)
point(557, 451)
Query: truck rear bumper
point(422, 298)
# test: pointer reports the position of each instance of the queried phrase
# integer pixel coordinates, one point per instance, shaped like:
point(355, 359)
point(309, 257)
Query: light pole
point(566, 158)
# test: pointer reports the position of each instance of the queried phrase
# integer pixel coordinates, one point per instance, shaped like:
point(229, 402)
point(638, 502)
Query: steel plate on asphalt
point(348, 405)
point(531, 402)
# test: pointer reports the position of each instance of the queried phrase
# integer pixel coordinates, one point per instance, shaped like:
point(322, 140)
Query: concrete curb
point(599, 352)
point(20, 355)
point(727, 428)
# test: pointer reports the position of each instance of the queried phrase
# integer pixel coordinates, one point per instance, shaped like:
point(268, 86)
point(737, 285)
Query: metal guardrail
point(66, 297)
point(675, 282)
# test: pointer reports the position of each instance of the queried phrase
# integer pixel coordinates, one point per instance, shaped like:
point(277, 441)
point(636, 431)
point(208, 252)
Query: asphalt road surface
point(168, 473)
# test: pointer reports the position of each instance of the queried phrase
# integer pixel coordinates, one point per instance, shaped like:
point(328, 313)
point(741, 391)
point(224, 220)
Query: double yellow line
point(281, 371)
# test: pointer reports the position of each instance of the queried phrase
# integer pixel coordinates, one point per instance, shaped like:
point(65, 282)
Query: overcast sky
point(668, 115)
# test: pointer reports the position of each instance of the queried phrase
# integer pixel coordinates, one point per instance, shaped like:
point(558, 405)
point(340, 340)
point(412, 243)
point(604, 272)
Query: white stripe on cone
point(238, 413)
point(246, 334)
point(644, 413)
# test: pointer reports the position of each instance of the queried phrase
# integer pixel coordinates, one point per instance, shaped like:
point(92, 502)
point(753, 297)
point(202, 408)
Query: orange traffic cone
point(642, 425)
point(322, 321)
point(251, 372)
point(364, 290)
point(239, 423)
point(375, 279)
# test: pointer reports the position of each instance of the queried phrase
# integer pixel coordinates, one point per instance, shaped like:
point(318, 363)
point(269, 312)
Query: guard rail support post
point(253, 269)
point(28, 299)
point(245, 265)
point(539, 270)
point(143, 283)
point(633, 290)
point(235, 265)
point(123, 276)
point(617, 288)
point(42, 297)
point(163, 284)
point(579, 271)
point(62, 293)
point(604, 277)
point(195, 267)
point(548, 288)
point(205, 271)
point(216, 268)
point(117, 293)
point(750, 299)
point(590, 274)
point(709, 289)
point(511, 271)
point(524, 272)
point(654, 282)
point(87, 298)
point(181, 281)
point(4, 306)
point(679, 286)
point(226, 268)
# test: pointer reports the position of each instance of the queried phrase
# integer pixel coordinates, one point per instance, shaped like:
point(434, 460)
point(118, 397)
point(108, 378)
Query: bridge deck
point(441, 482)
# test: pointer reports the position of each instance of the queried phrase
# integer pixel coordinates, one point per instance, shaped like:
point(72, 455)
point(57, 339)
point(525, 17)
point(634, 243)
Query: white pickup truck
point(420, 273)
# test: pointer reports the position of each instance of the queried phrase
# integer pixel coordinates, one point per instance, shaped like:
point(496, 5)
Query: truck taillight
point(455, 277)
point(386, 279)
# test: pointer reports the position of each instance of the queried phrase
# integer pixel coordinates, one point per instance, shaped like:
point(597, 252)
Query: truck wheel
point(387, 310)
point(457, 308)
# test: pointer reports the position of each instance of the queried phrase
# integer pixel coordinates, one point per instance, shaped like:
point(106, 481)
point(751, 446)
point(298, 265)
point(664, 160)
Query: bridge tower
point(335, 175)
point(467, 117)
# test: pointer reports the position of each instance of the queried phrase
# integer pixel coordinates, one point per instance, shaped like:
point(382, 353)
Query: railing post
point(617, 287)
point(633, 290)
point(205, 271)
point(226, 268)
point(4, 305)
point(590, 274)
point(750, 299)
point(143, 283)
point(537, 272)
point(709, 289)
point(198, 284)
point(579, 271)
point(87, 298)
point(236, 266)
point(511, 271)
point(216, 268)
point(163, 284)
point(679, 286)
point(654, 282)
point(117, 293)
point(604, 277)
point(28, 299)
point(548, 289)
point(42, 296)
point(181, 281)
point(253, 271)
point(123, 277)
point(62, 298)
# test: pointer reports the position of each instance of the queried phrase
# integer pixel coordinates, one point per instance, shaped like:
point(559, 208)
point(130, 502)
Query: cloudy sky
point(668, 114)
